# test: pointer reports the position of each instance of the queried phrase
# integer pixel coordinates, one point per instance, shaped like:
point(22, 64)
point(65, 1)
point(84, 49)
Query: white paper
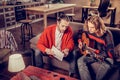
point(57, 53)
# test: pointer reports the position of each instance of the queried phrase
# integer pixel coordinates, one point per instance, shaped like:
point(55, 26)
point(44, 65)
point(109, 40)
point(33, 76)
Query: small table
point(85, 13)
point(43, 74)
point(45, 10)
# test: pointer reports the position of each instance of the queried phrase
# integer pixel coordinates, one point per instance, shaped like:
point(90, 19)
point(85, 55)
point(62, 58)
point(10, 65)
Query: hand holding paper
point(49, 51)
point(57, 53)
point(66, 52)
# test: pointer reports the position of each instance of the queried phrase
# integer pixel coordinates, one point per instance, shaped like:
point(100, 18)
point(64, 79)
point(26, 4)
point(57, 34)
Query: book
point(57, 53)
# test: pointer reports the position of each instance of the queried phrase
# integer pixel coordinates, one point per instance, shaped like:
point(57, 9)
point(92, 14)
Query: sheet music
point(57, 53)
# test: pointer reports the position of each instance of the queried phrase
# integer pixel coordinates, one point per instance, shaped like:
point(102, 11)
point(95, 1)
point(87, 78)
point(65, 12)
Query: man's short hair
point(63, 16)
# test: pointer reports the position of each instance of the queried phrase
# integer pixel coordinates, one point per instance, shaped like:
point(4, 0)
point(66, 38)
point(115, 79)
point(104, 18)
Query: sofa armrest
point(34, 40)
point(116, 35)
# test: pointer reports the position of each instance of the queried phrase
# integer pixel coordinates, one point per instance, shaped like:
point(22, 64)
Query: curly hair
point(98, 22)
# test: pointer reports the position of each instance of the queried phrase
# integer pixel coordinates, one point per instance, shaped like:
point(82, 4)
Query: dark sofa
point(75, 27)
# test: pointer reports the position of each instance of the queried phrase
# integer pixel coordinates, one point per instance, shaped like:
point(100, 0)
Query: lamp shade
point(16, 63)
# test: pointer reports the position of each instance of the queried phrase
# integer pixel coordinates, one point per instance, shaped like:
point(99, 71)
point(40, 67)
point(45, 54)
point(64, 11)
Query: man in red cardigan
point(60, 36)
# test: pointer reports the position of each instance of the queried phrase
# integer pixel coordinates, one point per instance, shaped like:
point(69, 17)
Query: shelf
point(8, 15)
point(1, 13)
point(10, 21)
point(10, 12)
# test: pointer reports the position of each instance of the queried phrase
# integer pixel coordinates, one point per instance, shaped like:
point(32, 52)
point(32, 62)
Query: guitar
point(86, 50)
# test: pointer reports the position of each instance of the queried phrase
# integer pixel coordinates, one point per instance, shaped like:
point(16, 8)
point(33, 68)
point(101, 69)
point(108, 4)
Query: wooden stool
point(70, 15)
point(26, 31)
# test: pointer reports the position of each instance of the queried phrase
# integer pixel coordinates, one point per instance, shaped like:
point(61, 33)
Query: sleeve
point(110, 44)
point(41, 45)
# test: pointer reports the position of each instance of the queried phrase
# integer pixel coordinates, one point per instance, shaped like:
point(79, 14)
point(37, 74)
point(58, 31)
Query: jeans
point(38, 58)
point(70, 59)
point(84, 71)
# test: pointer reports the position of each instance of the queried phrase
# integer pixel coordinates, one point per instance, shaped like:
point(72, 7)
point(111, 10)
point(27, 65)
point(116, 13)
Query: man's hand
point(49, 51)
point(66, 52)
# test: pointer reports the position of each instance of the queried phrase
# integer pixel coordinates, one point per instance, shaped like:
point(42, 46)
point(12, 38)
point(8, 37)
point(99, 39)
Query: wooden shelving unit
point(8, 17)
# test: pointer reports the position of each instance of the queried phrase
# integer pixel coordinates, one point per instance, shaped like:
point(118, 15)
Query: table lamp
point(16, 63)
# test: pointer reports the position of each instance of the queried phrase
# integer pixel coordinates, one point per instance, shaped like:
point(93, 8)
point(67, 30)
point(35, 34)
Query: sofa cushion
point(117, 52)
point(56, 63)
point(76, 26)
point(116, 35)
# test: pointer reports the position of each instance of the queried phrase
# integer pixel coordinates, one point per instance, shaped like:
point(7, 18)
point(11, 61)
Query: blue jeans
point(84, 71)
point(70, 59)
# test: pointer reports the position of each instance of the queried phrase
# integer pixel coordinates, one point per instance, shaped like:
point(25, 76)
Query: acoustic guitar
point(86, 50)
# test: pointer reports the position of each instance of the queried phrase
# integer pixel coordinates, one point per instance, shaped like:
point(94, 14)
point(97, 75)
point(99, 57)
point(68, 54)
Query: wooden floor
point(37, 28)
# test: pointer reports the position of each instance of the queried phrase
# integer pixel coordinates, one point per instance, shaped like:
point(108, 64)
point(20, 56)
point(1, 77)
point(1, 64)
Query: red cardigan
point(47, 39)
